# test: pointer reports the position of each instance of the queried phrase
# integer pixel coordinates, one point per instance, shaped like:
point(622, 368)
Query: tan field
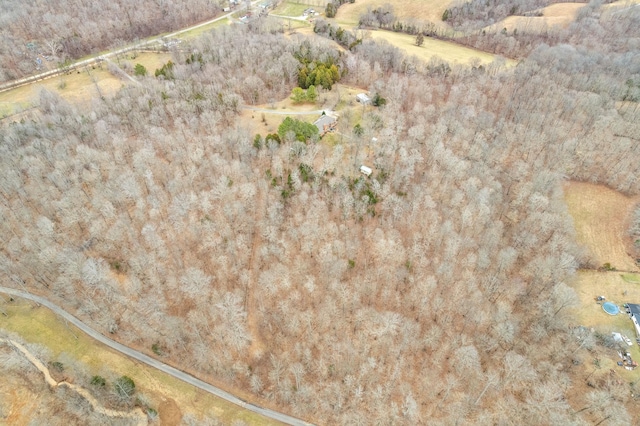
point(78, 86)
point(422, 10)
point(171, 396)
point(558, 15)
point(590, 284)
point(448, 51)
point(601, 216)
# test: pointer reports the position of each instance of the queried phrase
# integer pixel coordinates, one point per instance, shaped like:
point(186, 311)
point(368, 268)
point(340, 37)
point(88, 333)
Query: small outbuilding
point(365, 170)
point(363, 98)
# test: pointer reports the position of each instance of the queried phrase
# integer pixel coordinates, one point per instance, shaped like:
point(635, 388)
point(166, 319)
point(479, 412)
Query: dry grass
point(558, 15)
point(590, 284)
point(74, 87)
point(421, 10)
point(295, 8)
point(77, 87)
point(264, 122)
point(41, 326)
point(192, 34)
point(448, 51)
point(601, 218)
point(150, 60)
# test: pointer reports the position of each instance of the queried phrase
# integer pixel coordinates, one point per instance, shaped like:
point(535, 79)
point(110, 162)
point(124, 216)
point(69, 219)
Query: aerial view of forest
point(337, 212)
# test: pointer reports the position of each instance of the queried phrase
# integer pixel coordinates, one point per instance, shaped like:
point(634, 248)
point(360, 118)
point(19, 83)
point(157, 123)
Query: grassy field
point(190, 35)
point(41, 326)
point(450, 52)
point(601, 218)
point(590, 284)
point(264, 122)
point(421, 10)
point(295, 9)
point(558, 15)
point(74, 87)
point(78, 86)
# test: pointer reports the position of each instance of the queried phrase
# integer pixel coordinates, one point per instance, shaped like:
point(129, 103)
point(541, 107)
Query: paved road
point(155, 363)
point(48, 74)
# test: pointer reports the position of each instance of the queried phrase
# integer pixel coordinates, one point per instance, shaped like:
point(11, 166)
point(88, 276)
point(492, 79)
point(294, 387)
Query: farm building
point(325, 124)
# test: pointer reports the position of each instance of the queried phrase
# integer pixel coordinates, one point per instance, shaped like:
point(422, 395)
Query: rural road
point(155, 363)
point(52, 73)
point(287, 112)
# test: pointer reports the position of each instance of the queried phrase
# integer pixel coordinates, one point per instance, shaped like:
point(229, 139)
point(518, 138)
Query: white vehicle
point(627, 340)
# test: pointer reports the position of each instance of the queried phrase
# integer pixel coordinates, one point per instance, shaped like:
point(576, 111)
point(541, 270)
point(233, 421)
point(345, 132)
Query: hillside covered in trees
point(434, 292)
point(38, 32)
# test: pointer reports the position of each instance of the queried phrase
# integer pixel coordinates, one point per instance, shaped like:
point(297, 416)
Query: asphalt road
point(154, 362)
point(52, 73)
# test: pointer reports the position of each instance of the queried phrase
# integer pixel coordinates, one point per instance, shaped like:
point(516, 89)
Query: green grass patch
point(631, 278)
point(192, 34)
point(295, 9)
point(39, 325)
point(290, 24)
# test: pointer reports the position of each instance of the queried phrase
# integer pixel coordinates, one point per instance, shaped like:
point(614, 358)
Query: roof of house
point(634, 309)
point(325, 120)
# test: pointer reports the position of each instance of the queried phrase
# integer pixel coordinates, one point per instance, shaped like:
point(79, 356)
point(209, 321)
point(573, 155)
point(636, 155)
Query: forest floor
point(601, 218)
point(171, 397)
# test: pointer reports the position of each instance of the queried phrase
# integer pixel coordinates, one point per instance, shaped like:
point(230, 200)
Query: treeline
point(36, 33)
point(433, 292)
point(592, 23)
point(332, 7)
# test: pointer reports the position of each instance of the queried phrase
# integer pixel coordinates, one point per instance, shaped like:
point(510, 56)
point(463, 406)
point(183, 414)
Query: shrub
point(124, 386)
point(98, 381)
point(140, 70)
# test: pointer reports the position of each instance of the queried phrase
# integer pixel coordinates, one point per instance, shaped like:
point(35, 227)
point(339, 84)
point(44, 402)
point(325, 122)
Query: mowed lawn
point(601, 218)
point(448, 51)
point(295, 9)
point(590, 284)
point(39, 325)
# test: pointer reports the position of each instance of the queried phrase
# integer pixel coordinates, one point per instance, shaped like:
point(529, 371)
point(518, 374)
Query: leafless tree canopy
point(69, 29)
point(432, 293)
